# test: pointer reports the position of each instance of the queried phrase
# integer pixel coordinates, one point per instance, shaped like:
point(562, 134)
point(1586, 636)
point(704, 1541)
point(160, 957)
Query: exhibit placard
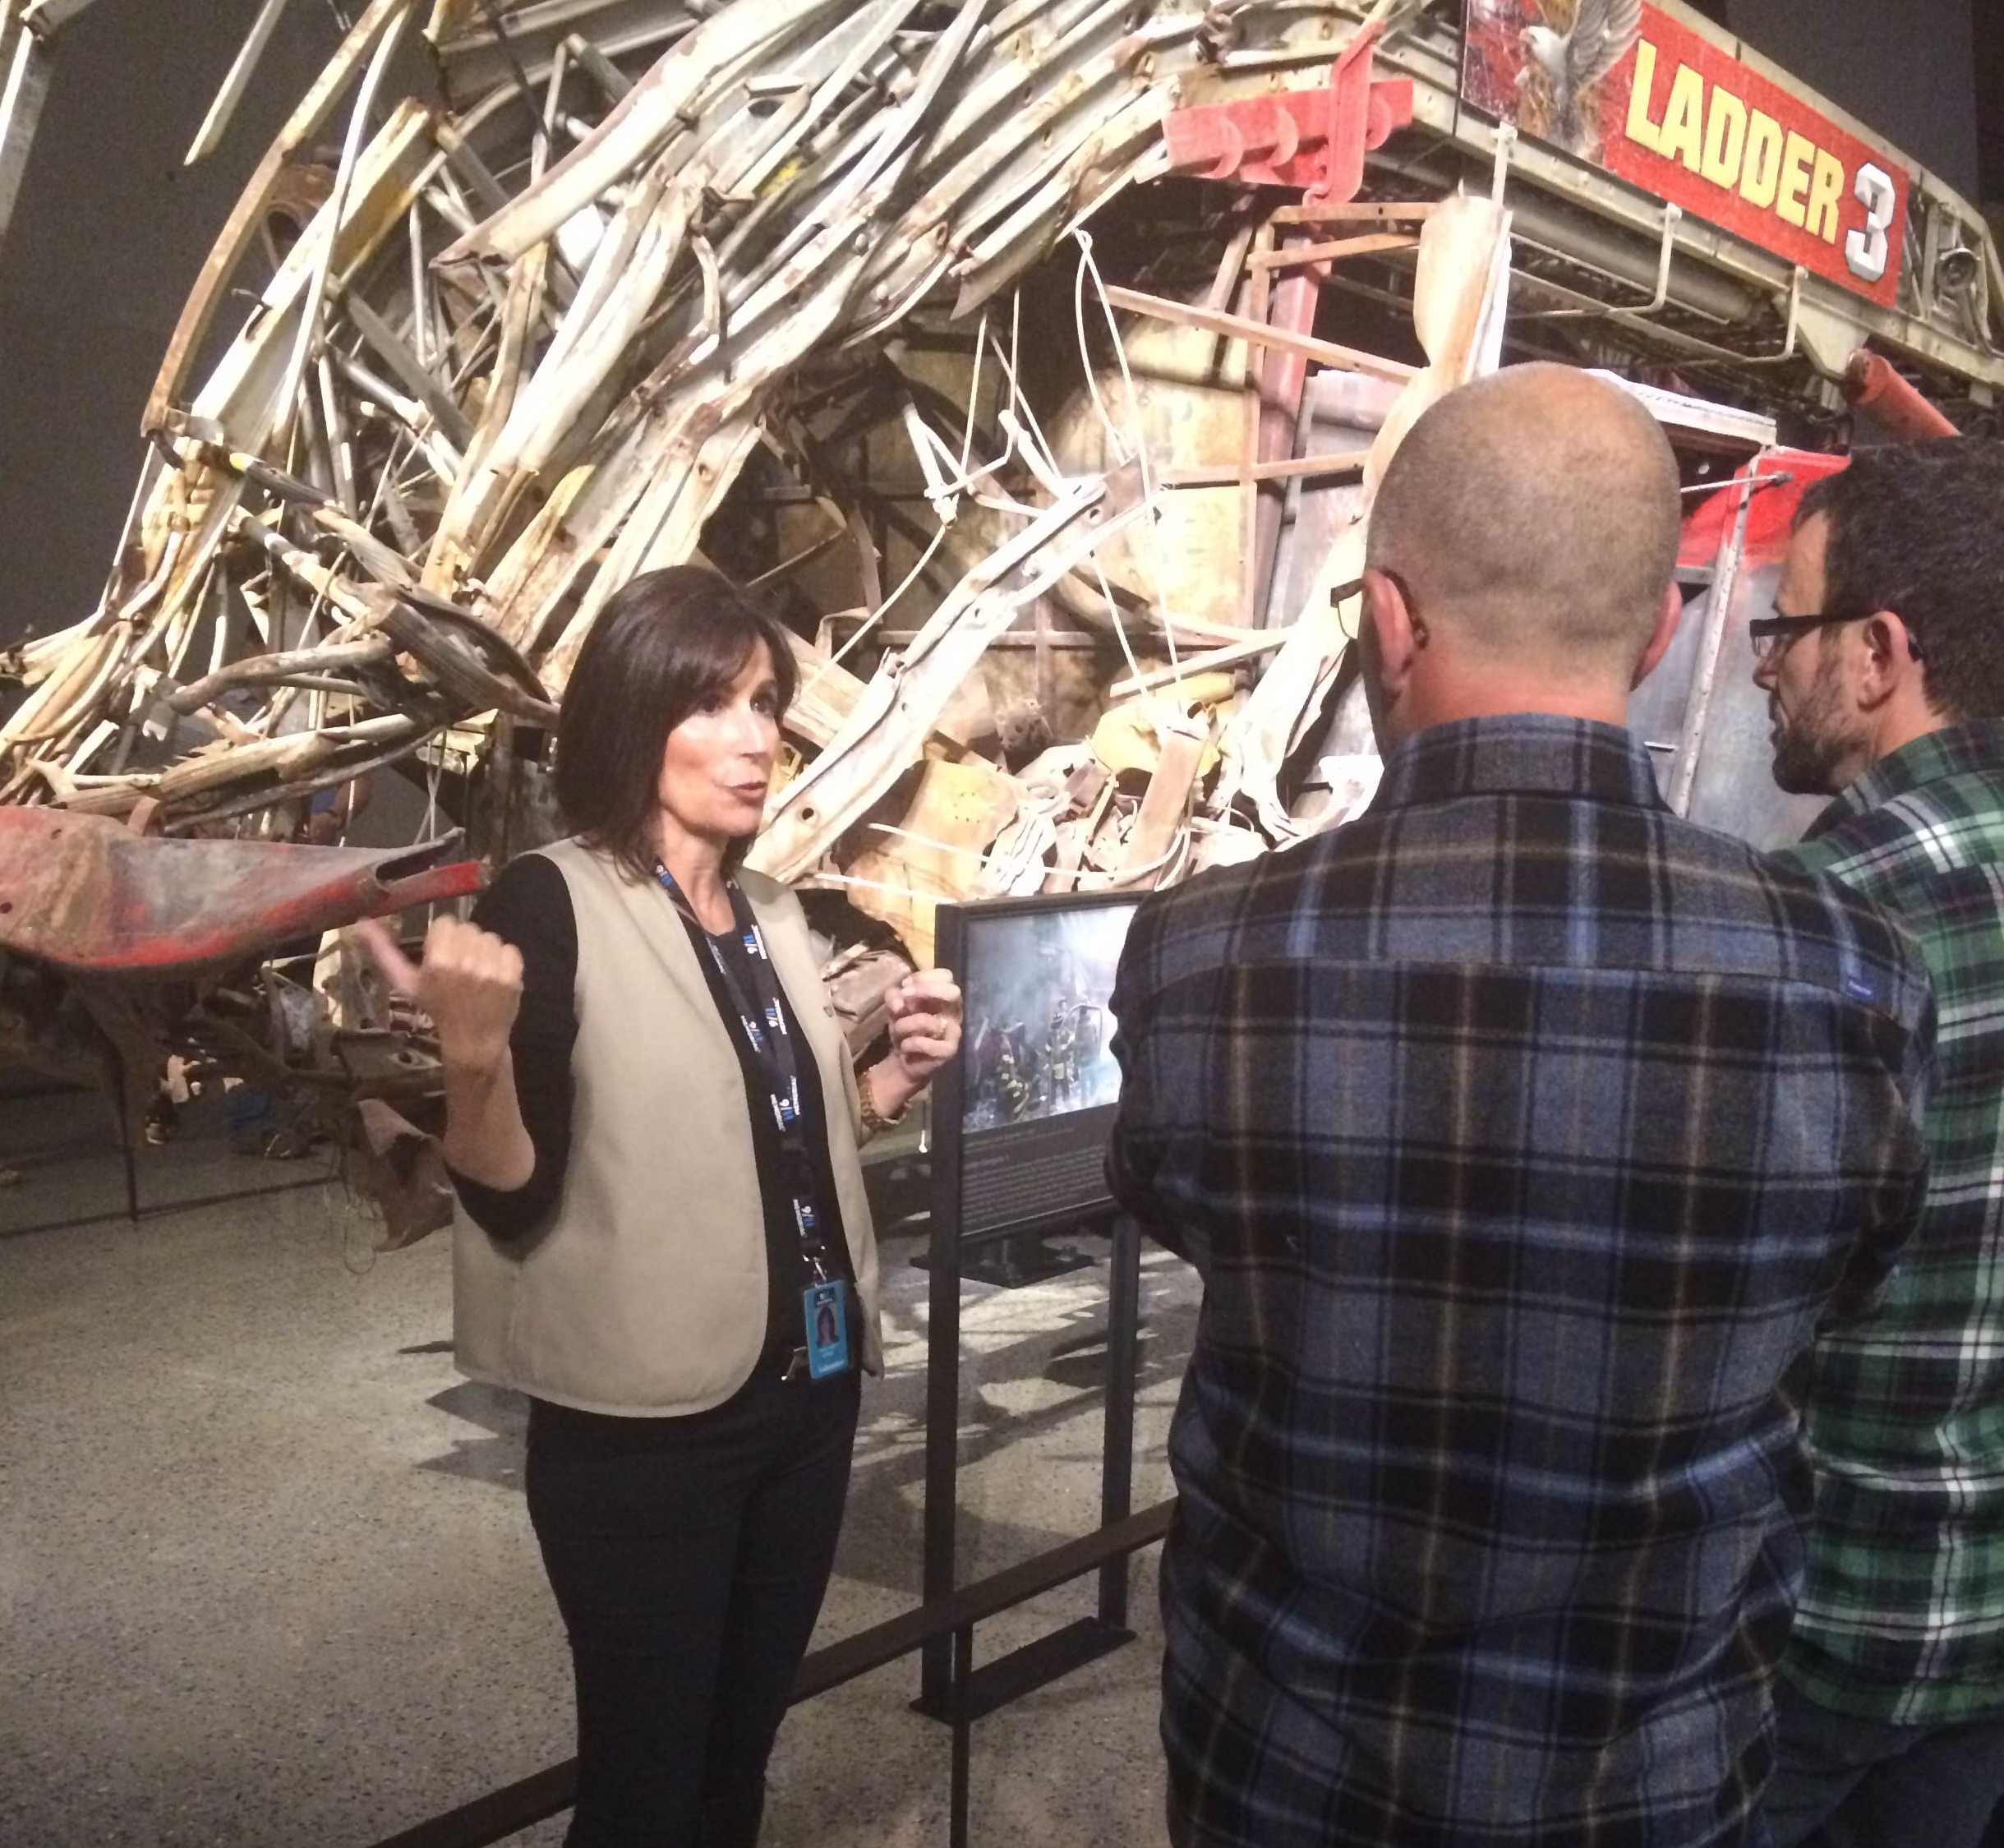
point(1021, 1120)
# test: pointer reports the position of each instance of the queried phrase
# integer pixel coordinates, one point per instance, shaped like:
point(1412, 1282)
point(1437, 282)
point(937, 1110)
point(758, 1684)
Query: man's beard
point(1811, 745)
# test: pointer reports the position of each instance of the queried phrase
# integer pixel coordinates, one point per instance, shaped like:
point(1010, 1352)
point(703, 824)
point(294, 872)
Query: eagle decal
point(1576, 62)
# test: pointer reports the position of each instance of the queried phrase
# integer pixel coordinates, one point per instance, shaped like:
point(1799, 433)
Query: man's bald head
point(1534, 515)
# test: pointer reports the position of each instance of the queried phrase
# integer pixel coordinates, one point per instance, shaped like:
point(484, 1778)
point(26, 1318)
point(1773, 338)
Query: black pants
point(689, 1556)
point(1841, 1782)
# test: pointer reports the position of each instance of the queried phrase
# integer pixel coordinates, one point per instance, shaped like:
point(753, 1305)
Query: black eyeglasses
point(1768, 634)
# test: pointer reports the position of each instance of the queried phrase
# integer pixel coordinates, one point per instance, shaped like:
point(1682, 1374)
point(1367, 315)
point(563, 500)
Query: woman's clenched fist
point(469, 982)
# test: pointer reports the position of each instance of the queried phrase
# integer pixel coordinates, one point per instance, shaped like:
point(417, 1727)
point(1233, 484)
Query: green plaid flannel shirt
point(1902, 1617)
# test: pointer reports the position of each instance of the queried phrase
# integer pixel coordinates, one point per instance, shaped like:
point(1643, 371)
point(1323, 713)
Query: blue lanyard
point(762, 1017)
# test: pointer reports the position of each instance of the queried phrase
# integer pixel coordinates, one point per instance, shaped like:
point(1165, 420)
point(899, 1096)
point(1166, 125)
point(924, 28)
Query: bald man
point(1524, 1134)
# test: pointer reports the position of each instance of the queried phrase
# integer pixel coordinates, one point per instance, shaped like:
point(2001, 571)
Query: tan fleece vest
point(645, 1293)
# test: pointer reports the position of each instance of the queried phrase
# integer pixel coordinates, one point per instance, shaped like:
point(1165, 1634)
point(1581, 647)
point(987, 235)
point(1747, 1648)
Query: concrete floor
point(266, 1576)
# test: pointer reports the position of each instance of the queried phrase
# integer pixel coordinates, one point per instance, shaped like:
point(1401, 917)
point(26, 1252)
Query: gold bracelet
point(874, 1121)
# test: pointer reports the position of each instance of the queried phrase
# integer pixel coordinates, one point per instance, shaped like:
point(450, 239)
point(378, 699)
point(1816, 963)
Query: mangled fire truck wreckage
point(1037, 358)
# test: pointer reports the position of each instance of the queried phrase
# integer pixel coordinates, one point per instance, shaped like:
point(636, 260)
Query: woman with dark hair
point(652, 1121)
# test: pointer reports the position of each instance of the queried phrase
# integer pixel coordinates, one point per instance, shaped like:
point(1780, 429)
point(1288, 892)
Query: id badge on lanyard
point(825, 1306)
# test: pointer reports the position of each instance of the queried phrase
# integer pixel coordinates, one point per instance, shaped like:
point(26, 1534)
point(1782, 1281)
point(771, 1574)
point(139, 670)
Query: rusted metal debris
point(898, 312)
point(87, 897)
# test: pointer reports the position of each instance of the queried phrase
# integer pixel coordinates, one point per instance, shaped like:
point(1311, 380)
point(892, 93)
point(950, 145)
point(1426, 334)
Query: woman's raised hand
point(470, 983)
point(925, 1023)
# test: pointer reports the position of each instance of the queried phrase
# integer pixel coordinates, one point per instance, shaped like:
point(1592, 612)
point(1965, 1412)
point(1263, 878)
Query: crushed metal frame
point(597, 285)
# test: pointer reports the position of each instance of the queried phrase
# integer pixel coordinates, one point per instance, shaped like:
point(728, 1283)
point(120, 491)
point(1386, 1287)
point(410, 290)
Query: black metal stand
point(942, 1451)
point(515, 1807)
point(1116, 1443)
point(315, 1173)
point(1034, 1664)
point(318, 1177)
point(132, 1176)
point(1021, 1259)
point(122, 1108)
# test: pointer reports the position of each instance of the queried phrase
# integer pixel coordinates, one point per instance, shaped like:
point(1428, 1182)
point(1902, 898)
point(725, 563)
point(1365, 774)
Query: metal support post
point(1123, 1348)
point(942, 1425)
point(958, 1794)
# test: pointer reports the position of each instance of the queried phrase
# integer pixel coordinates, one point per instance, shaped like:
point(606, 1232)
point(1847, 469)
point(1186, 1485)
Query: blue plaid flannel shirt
point(1522, 1134)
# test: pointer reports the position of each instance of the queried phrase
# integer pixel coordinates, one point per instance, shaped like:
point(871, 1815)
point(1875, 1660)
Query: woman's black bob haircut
point(662, 645)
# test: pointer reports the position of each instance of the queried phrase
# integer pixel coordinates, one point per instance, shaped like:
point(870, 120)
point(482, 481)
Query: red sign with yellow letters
point(1626, 86)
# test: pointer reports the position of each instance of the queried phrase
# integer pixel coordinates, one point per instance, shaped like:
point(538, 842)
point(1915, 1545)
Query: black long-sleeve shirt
point(529, 906)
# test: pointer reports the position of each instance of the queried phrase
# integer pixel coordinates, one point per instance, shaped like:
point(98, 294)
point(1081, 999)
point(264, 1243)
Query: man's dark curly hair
point(1918, 529)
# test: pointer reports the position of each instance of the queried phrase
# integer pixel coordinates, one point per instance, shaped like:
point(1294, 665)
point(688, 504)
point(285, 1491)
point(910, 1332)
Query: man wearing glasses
point(1884, 668)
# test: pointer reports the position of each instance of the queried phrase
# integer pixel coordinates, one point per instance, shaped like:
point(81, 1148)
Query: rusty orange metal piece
point(84, 894)
point(1873, 386)
point(1314, 139)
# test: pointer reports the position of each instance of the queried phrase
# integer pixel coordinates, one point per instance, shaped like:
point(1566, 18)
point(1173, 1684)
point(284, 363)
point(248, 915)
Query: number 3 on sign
point(1866, 250)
